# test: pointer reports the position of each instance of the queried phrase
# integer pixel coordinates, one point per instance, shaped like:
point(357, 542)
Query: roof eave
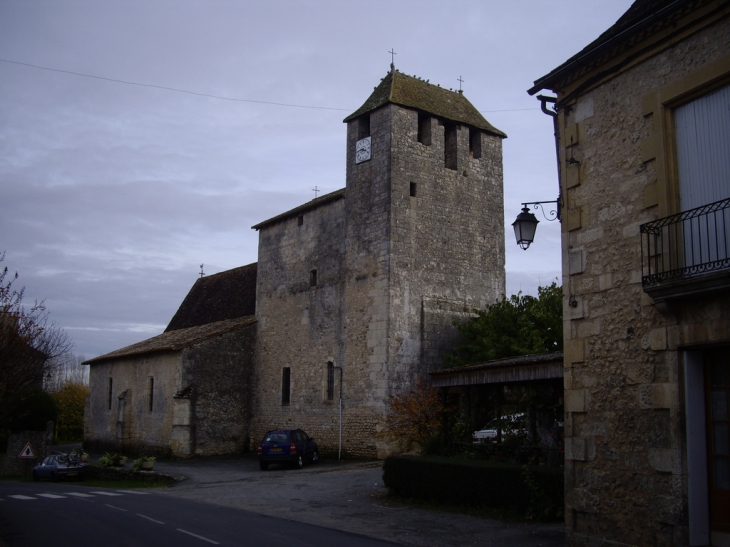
point(589, 54)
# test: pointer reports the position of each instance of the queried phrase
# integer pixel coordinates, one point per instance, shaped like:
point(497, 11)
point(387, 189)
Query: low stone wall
point(128, 449)
point(125, 473)
point(11, 465)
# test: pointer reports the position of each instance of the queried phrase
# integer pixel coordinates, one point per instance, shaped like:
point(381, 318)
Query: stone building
point(642, 118)
point(370, 278)
point(356, 291)
point(188, 390)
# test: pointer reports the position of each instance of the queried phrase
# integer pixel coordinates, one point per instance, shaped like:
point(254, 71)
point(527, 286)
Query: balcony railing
point(686, 244)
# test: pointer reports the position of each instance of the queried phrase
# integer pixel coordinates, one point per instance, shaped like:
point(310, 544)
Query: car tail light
point(292, 448)
point(260, 450)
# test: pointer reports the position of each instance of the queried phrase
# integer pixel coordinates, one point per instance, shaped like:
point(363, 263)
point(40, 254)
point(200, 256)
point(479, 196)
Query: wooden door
point(717, 382)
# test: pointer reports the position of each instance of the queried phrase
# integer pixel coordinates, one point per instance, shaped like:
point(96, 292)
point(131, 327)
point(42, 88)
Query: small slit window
point(300, 220)
point(109, 393)
point(363, 126)
point(330, 381)
point(414, 189)
point(424, 129)
point(475, 143)
point(313, 278)
point(285, 386)
point(450, 145)
point(151, 400)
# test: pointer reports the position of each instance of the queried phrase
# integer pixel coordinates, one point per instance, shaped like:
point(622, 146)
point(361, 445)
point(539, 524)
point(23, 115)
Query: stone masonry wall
point(129, 424)
point(220, 375)
point(40, 442)
point(300, 326)
point(626, 478)
point(447, 241)
point(367, 279)
point(393, 272)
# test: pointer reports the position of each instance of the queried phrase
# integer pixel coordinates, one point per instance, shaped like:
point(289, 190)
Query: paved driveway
point(344, 496)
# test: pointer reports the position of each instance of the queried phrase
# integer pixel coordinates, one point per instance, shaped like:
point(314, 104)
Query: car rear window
point(277, 438)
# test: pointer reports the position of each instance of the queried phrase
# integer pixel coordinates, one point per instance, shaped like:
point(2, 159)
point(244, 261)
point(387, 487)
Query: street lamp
point(526, 223)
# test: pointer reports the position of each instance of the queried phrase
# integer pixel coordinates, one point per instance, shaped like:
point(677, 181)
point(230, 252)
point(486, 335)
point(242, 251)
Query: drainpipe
point(339, 450)
point(544, 99)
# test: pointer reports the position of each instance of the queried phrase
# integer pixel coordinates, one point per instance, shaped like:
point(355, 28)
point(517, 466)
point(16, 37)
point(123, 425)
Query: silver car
point(511, 426)
point(59, 466)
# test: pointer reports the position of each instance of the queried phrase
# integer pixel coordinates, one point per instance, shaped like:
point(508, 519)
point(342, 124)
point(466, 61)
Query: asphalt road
point(70, 514)
point(349, 497)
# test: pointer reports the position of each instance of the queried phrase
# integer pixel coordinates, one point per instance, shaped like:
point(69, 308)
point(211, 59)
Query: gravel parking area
point(345, 496)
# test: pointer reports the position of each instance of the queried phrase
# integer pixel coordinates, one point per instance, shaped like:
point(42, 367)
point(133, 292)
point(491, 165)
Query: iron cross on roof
point(460, 82)
point(392, 56)
point(316, 191)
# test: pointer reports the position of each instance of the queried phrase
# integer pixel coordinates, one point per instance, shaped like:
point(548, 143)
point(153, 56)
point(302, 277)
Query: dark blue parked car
point(287, 446)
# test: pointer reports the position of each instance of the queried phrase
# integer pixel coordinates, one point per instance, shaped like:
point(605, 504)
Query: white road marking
point(78, 494)
point(133, 492)
point(52, 496)
point(150, 518)
point(117, 508)
point(107, 493)
point(21, 497)
point(197, 536)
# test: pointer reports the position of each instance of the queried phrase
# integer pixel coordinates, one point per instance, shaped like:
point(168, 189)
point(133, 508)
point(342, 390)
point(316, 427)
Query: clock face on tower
point(362, 150)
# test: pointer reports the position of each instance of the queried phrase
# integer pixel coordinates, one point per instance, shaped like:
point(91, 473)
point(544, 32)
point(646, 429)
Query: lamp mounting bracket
point(552, 215)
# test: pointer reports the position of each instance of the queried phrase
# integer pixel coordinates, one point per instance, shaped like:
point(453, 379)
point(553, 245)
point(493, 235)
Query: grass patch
point(128, 483)
point(100, 483)
point(17, 478)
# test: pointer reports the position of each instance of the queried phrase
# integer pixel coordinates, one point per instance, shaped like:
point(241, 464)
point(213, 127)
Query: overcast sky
point(112, 195)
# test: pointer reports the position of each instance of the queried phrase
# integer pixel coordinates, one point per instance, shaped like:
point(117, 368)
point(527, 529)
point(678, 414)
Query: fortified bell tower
point(424, 233)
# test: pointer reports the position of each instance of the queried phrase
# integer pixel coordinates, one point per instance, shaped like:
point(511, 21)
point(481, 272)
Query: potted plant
point(83, 456)
point(145, 463)
point(112, 460)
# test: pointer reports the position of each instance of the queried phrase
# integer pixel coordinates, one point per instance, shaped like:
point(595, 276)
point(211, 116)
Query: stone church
point(353, 296)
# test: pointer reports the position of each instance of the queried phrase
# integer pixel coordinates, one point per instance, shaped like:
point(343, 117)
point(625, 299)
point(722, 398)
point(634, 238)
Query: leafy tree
point(518, 325)
point(30, 410)
point(30, 344)
point(69, 401)
point(415, 415)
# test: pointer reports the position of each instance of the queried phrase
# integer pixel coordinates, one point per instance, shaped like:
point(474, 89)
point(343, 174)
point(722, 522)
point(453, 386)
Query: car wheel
point(315, 457)
point(36, 478)
point(299, 462)
point(264, 466)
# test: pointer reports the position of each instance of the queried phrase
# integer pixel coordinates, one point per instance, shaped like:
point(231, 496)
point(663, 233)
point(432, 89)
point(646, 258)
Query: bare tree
point(30, 344)
point(67, 369)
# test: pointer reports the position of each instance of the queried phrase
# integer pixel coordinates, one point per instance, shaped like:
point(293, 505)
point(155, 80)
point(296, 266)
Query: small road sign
point(27, 452)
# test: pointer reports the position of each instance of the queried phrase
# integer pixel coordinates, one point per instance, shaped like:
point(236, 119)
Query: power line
point(171, 88)
point(208, 95)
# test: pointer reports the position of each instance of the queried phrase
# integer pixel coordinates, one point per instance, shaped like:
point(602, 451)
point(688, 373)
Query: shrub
point(415, 415)
point(112, 460)
point(535, 492)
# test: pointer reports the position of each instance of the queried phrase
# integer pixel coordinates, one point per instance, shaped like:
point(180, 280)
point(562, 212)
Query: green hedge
point(536, 490)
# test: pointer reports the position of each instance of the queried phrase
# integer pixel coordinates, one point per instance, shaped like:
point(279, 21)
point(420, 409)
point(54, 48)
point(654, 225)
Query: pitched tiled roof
point(644, 17)
point(177, 339)
point(316, 202)
point(225, 295)
point(398, 88)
